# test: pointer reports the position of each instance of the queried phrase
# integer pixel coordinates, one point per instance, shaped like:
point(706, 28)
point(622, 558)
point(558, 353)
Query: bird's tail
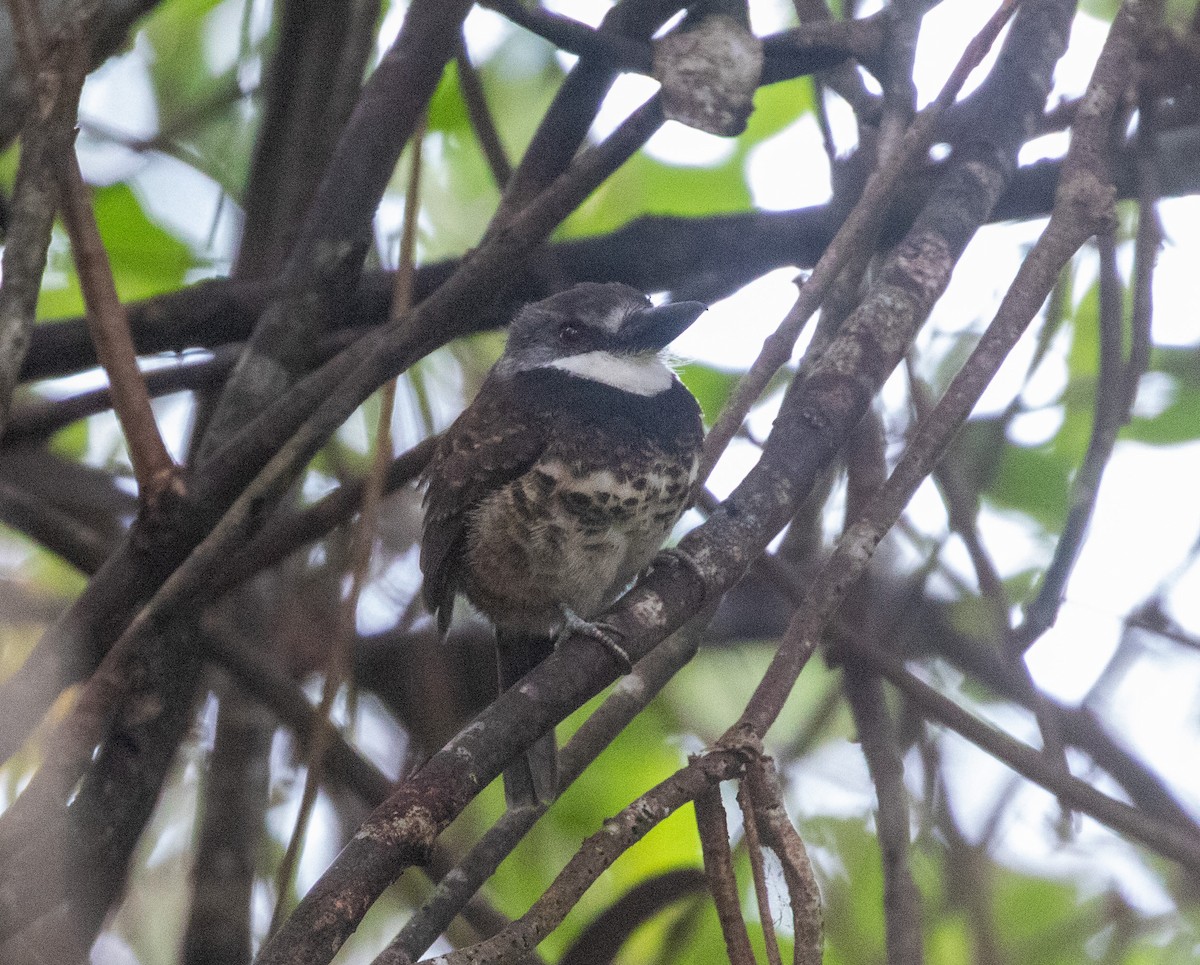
point(533, 777)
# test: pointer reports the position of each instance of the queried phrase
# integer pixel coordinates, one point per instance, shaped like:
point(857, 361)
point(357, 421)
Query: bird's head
point(607, 332)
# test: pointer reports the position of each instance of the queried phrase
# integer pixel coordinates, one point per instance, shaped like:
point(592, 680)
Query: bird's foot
point(605, 634)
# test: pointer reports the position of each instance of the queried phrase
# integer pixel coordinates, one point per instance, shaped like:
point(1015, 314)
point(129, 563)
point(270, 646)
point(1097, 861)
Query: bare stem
point(107, 322)
point(712, 824)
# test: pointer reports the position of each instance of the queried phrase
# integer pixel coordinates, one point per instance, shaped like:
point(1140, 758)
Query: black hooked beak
point(652, 329)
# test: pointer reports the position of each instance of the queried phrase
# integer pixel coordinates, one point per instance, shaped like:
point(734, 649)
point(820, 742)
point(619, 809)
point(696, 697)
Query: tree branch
point(713, 827)
point(595, 856)
point(653, 253)
point(775, 828)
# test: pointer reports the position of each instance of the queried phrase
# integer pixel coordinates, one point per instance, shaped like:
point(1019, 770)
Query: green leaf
point(644, 186)
point(71, 442)
point(447, 111)
point(1033, 481)
point(776, 107)
point(949, 941)
point(1177, 421)
point(1033, 910)
point(8, 166)
point(711, 386)
point(1083, 355)
point(145, 259)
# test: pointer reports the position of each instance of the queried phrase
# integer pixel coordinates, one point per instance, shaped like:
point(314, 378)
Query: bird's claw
point(605, 634)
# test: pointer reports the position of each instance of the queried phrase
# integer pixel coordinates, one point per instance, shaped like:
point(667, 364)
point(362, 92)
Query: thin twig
point(337, 670)
point(880, 746)
point(482, 121)
point(962, 506)
point(1146, 247)
point(757, 869)
point(1109, 414)
point(776, 830)
point(866, 467)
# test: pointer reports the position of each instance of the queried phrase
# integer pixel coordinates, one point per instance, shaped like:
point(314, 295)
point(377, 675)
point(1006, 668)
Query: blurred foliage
point(146, 260)
point(196, 64)
point(1178, 11)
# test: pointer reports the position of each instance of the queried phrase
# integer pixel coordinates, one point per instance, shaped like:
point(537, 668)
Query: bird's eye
point(568, 332)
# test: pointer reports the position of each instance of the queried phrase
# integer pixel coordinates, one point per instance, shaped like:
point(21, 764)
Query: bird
point(560, 482)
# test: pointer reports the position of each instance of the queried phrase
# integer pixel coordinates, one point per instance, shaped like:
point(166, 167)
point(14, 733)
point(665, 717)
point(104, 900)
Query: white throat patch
point(641, 375)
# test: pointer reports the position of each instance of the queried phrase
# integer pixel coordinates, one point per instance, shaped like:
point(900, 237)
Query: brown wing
point(499, 437)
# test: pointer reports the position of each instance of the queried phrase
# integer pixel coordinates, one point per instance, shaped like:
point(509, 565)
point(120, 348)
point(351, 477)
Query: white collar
point(639, 374)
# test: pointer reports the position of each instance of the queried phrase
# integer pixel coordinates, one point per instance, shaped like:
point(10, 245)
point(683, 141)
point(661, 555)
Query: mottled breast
point(591, 513)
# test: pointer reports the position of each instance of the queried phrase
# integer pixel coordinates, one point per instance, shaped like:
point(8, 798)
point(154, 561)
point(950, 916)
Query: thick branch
point(654, 253)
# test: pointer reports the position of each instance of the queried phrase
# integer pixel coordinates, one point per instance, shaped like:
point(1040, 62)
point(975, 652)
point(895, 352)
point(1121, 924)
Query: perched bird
point(559, 483)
